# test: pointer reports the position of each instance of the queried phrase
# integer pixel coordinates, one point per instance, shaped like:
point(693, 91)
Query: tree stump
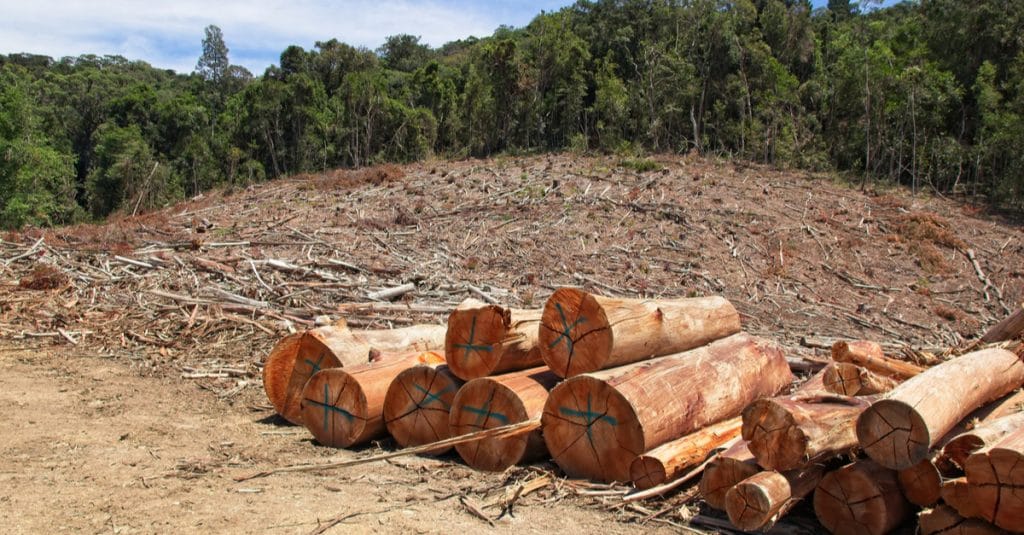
point(758, 502)
point(417, 405)
point(861, 498)
point(995, 475)
point(485, 340)
point(668, 461)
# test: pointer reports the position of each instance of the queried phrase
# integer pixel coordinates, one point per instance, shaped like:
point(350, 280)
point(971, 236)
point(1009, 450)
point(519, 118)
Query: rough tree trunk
point(861, 498)
point(869, 355)
point(668, 461)
point(852, 380)
point(996, 478)
point(417, 404)
point(762, 499)
point(488, 339)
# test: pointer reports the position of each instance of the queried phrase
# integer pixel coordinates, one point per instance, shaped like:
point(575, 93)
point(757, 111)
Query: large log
point(496, 401)
point(762, 499)
point(488, 339)
point(724, 472)
point(956, 493)
point(785, 433)
point(897, 432)
point(995, 475)
point(582, 332)
point(417, 405)
point(671, 459)
point(295, 358)
point(343, 407)
point(944, 520)
point(861, 498)
point(1009, 328)
point(852, 380)
point(983, 435)
point(869, 355)
point(596, 424)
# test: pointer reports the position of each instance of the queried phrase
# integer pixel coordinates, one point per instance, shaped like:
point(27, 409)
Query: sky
point(169, 34)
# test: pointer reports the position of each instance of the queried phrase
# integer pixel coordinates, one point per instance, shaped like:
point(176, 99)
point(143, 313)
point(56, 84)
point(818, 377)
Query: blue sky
point(168, 34)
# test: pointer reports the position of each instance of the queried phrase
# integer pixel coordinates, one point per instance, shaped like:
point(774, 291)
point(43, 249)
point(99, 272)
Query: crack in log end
point(893, 434)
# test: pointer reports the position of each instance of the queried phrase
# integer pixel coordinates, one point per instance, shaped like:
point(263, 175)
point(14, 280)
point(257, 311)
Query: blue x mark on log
point(431, 397)
point(315, 365)
point(328, 408)
point(590, 416)
point(468, 347)
point(485, 411)
point(566, 329)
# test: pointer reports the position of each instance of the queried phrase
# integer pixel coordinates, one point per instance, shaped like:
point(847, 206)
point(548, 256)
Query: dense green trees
point(928, 93)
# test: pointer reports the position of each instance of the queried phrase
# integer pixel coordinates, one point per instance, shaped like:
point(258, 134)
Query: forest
point(928, 94)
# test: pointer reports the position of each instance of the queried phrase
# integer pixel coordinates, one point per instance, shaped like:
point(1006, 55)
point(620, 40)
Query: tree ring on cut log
point(483, 404)
point(296, 358)
point(893, 434)
point(417, 406)
point(996, 479)
point(334, 408)
point(476, 352)
point(575, 335)
point(842, 378)
point(591, 430)
point(278, 368)
point(921, 483)
point(731, 467)
point(775, 438)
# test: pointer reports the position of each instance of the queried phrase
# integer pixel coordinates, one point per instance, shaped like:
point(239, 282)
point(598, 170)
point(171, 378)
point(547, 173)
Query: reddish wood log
point(672, 459)
point(944, 520)
point(417, 405)
point(345, 407)
point(956, 494)
point(897, 432)
point(983, 435)
point(496, 401)
point(995, 475)
point(921, 483)
point(785, 433)
point(869, 355)
point(488, 339)
point(852, 380)
point(1009, 328)
point(596, 424)
point(861, 498)
point(582, 332)
point(725, 471)
point(759, 501)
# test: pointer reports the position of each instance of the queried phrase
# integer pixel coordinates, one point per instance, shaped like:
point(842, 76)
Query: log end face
point(334, 408)
point(996, 479)
point(860, 498)
point(417, 405)
point(484, 404)
point(575, 336)
point(773, 436)
point(473, 343)
point(311, 356)
point(720, 477)
point(750, 504)
point(647, 472)
point(921, 483)
point(842, 378)
point(277, 370)
point(893, 434)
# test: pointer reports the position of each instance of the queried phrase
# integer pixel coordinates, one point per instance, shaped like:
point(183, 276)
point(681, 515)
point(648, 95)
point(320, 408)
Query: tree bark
point(670, 460)
point(489, 402)
point(345, 407)
point(897, 432)
point(417, 405)
point(996, 478)
point(583, 333)
point(861, 498)
point(596, 424)
point(725, 471)
point(956, 494)
point(869, 355)
point(485, 340)
point(852, 380)
point(758, 502)
point(983, 435)
point(944, 520)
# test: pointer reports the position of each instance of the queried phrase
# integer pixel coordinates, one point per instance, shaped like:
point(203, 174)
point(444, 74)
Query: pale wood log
point(956, 494)
point(582, 332)
point(596, 424)
point(486, 339)
point(725, 471)
point(852, 380)
point(944, 520)
point(1009, 328)
point(995, 475)
point(897, 432)
point(343, 407)
point(869, 355)
point(758, 502)
point(983, 435)
point(861, 498)
point(417, 405)
point(501, 400)
point(668, 461)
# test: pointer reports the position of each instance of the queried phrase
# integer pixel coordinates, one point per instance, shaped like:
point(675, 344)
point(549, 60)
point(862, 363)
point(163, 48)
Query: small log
point(921, 483)
point(496, 401)
point(582, 332)
point(345, 407)
point(852, 380)
point(861, 498)
point(944, 520)
point(983, 435)
point(956, 494)
point(671, 459)
point(485, 340)
point(1009, 328)
point(897, 432)
point(869, 355)
point(758, 502)
point(725, 471)
point(417, 405)
point(995, 475)
point(596, 424)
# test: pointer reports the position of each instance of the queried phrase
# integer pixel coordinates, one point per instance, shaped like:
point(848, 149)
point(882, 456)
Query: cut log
point(295, 358)
point(861, 498)
point(485, 340)
point(785, 433)
point(995, 475)
point(1009, 328)
point(725, 471)
point(944, 520)
point(956, 494)
point(668, 461)
point(596, 424)
point(496, 401)
point(869, 355)
point(984, 434)
point(345, 407)
point(897, 432)
point(921, 483)
point(852, 380)
point(417, 404)
point(758, 502)
point(582, 332)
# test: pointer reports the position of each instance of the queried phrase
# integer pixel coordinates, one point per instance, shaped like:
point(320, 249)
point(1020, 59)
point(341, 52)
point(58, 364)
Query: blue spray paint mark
point(566, 329)
point(429, 397)
point(328, 408)
point(469, 347)
point(315, 365)
point(484, 412)
point(590, 416)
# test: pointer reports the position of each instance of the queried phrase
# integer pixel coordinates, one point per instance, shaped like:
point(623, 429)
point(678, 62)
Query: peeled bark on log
point(582, 332)
point(852, 380)
point(485, 340)
point(785, 433)
point(921, 483)
point(345, 407)
point(296, 357)
point(1007, 329)
point(897, 432)
point(725, 471)
point(984, 434)
point(861, 498)
point(869, 355)
point(956, 494)
point(762, 499)
point(417, 405)
point(496, 401)
point(944, 520)
point(596, 424)
point(996, 478)
point(671, 459)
